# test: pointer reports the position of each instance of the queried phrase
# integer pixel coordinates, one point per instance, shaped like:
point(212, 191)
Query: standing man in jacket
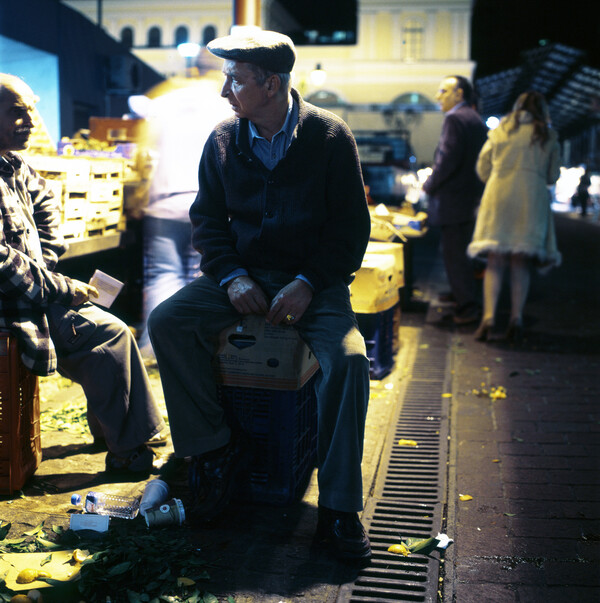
point(281, 222)
point(455, 190)
point(50, 314)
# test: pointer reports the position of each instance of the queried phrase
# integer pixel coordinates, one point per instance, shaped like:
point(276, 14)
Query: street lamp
point(318, 76)
point(189, 51)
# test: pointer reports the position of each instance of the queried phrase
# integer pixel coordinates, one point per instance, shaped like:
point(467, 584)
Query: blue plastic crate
point(378, 332)
point(281, 427)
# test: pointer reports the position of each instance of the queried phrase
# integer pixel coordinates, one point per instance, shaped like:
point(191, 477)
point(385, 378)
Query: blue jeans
point(170, 263)
point(184, 329)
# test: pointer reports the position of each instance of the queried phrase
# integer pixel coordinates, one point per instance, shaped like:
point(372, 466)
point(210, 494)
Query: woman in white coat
point(514, 225)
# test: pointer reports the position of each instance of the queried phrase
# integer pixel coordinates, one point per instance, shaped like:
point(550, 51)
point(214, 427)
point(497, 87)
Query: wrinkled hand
point(247, 297)
point(83, 292)
point(292, 300)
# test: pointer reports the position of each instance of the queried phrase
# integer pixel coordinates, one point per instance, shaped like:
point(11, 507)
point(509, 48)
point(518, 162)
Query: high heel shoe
point(514, 333)
point(484, 330)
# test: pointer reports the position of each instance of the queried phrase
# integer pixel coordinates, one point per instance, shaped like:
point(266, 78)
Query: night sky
point(502, 29)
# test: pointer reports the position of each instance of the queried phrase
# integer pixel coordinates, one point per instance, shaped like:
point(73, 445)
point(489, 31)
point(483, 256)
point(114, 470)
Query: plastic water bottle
point(108, 504)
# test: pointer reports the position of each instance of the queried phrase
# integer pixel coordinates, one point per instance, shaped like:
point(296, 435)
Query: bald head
point(15, 86)
point(17, 106)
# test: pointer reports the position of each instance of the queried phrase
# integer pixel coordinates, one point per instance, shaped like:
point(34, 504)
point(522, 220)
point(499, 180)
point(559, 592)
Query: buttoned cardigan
point(307, 216)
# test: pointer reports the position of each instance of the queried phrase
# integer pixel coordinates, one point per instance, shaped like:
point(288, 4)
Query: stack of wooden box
point(90, 190)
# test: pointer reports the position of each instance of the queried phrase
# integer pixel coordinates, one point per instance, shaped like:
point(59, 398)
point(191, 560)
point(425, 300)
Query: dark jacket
point(307, 216)
point(454, 189)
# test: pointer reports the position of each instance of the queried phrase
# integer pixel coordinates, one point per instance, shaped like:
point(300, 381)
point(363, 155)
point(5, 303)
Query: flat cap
point(267, 49)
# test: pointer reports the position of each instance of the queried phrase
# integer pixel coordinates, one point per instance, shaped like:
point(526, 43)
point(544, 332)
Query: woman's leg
point(492, 284)
point(519, 286)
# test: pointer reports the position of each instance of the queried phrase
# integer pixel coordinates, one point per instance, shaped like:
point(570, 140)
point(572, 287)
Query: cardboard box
point(116, 128)
point(374, 288)
point(253, 353)
point(417, 222)
point(395, 249)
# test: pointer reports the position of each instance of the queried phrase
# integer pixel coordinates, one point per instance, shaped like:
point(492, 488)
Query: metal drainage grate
point(409, 490)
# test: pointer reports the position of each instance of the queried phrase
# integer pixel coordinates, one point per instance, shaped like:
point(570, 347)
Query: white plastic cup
point(155, 492)
point(169, 512)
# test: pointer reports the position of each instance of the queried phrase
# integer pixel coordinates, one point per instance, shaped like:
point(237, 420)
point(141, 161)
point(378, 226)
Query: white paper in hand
point(108, 288)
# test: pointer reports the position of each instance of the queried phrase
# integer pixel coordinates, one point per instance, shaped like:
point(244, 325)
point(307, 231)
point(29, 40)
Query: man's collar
point(456, 107)
point(7, 163)
point(285, 128)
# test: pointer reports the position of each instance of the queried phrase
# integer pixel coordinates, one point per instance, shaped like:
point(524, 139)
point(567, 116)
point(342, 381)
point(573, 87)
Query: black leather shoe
point(467, 315)
point(211, 478)
point(139, 462)
point(344, 534)
point(514, 333)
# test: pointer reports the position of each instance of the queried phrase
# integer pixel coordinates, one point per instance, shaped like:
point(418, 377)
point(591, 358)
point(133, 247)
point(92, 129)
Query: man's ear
point(273, 84)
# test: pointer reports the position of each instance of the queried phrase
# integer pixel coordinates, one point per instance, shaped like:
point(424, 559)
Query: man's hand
point(83, 292)
point(247, 297)
point(290, 303)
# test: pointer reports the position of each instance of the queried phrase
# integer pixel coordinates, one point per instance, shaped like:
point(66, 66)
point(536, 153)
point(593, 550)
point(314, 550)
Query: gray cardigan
point(307, 216)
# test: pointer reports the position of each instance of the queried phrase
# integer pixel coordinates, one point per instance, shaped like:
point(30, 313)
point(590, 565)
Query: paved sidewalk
point(530, 461)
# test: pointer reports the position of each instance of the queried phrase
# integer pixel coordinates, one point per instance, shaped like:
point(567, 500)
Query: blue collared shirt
point(271, 153)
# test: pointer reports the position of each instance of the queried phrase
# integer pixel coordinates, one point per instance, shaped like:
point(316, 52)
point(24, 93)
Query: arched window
point(127, 37)
point(182, 35)
point(413, 33)
point(154, 37)
point(209, 33)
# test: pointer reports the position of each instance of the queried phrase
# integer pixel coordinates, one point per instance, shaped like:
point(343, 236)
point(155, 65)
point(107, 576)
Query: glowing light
point(318, 76)
point(188, 50)
point(492, 122)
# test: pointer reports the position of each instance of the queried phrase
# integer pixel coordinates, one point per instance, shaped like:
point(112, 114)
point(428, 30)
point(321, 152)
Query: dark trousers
point(184, 333)
point(459, 267)
point(109, 368)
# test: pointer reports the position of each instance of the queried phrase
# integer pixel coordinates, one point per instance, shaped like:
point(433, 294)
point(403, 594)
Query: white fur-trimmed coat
point(515, 214)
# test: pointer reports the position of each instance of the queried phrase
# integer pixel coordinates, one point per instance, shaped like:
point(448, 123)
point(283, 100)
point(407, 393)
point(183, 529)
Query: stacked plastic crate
point(375, 297)
point(266, 384)
point(20, 442)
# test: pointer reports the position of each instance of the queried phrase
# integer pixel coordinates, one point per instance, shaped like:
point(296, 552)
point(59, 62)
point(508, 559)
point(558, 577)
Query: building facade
point(403, 48)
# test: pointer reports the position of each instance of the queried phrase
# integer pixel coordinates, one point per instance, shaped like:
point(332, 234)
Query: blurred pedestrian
point(583, 193)
point(50, 314)
point(515, 226)
point(179, 124)
point(454, 190)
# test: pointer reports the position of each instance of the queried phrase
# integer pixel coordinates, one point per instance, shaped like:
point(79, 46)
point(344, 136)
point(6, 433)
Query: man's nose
point(27, 119)
point(225, 89)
